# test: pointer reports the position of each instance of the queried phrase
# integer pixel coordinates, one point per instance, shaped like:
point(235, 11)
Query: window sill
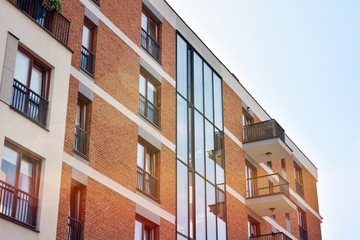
point(29, 118)
point(10, 219)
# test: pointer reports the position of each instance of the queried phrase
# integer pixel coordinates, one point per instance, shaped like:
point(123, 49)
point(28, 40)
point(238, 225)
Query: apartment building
point(117, 122)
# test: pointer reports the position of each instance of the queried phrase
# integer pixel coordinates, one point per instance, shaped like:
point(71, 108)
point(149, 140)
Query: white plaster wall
point(49, 144)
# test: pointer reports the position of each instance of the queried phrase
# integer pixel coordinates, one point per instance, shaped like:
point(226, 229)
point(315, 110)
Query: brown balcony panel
point(265, 141)
point(269, 195)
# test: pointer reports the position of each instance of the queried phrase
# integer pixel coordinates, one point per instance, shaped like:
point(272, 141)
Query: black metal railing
point(30, 103)
point(97, 2)
point(150, 45)
point(148, 110)
point(147, 183)
point(303, 233)
point(299, 188)
point(18, 205)
point(262, 131)
point(81, 141)
point(271, 236)
point(46, 17)
point(266, 185)
point(87, 60)
point(74, 229)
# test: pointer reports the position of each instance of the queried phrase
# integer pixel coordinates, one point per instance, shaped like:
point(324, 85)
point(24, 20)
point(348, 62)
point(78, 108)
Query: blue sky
point(301, 62)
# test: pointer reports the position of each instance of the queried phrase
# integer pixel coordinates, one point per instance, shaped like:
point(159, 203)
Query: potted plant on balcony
point(54, 4)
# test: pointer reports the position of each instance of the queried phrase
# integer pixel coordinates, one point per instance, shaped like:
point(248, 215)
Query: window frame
point(147, 224)
point(153, 159)
point(151, 19)
point(256, 224)
point(93, 32)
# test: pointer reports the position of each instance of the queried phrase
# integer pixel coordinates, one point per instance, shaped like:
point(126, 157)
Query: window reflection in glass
point(182, 73)
point(182, 129)
point(9, 165)
point(217, 102)
point(182, 198)
point(211, 210)
point(199, 143)
point(210, 152)
point(200, 208)
point(208, 92)
point(198, 83)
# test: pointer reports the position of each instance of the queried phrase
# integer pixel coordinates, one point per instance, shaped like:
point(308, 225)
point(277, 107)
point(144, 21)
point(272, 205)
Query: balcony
point(18, 205)
point(74, 229)
point(271, 236)
point(87, 61)
point(29, 103)
point(269, 195)
point(81, 145)
point(303, 233)
point(148, 110)
point(265, 141)
point(147, 183)
point(150, 45)
point(47, 18)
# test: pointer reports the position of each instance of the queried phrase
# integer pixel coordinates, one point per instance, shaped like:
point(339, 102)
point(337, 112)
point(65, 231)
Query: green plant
point(55, 4)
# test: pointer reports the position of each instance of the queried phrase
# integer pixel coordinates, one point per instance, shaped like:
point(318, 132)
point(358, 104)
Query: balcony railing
point(299, 188)
point(262, 131)
point(150, 45)
point(303, 233)
point(46, 17)
point(97, 2)
point(271, 236)
point(87, 60)
point(74, 229)
point(30, 103)
point(147, 183)
point(18, 205)
point(81, 141)
point(266, 185)
point(148, 110)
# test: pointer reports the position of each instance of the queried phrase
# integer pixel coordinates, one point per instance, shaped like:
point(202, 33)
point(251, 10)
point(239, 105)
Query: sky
point(301, 61)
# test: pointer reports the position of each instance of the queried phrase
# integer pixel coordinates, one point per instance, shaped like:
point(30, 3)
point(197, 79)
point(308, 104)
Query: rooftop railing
point(46, 17)
point(271, 236)
point(266, 185)
point(262, 131)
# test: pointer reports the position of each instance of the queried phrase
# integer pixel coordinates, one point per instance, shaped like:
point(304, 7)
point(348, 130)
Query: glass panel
point(138, 230)
point(199, 143)
point(221, 214)
point(200, 208)
point(151, 93)
point(36, 81)
point(198, 83)
point(218, 102)
point(191, 204)
point(86, 37)
point(140, 156)
point(190, 134)
point(153, 30)
point(78, 115)
point(179, 237)
point(220, 178)
point(150, 163)
point(211, 210)
point(22, 68)
point(210, 152)
point(208, 92)
point(144, 21)
point(181, 78)
point(26, 175)
point(182, 129)
point(142, 86)
point(182, 198)
point(8, 166)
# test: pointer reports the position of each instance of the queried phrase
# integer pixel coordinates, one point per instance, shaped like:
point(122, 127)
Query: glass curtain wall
point(201, 212)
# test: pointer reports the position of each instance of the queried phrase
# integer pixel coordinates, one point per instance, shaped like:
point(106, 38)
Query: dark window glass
point(199, 143)
point(182, 198)
point(200, 208)
point(211, 211)
point(220, 178)
point(208, 92)
point(198, 83)
point(217, 102)
point(182, 129)
point(181, 67)
point(210, 152)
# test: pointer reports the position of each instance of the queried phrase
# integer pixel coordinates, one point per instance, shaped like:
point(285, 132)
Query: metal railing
point(74, 229)
point(150, 45)
point(266, 185)
point(147, 183)
point(87, 60)
point(81, 141)
point(303, 233)
point(148, 110)
point(46, 17)
point(271, 236)
point(262, 131)
point(18, 205)
point(299, 188)
point(30, 103)
point(97, 2)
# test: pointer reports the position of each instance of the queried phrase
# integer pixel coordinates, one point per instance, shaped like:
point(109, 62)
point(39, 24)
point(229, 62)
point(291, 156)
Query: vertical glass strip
point(198, 83)
point(182, 67)
point(218, 116)
point(208, 92)
point(182, 129)
point(182, 199)
point(200, 208)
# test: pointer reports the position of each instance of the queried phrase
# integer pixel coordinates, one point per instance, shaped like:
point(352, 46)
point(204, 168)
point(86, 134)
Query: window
point(31, 86)
point(81, 144)
point(253, 227)
point(147, 181)
point(250, 174)
point(87, 59)
point(148, 100)
point(246, 120)
point(287, 222)
point(283, 164)
point(302, 224)
point(269, 164)
point(145, 229)
point(298, 180)
point(76, 212)
point(150, 34)
point(19, 185)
